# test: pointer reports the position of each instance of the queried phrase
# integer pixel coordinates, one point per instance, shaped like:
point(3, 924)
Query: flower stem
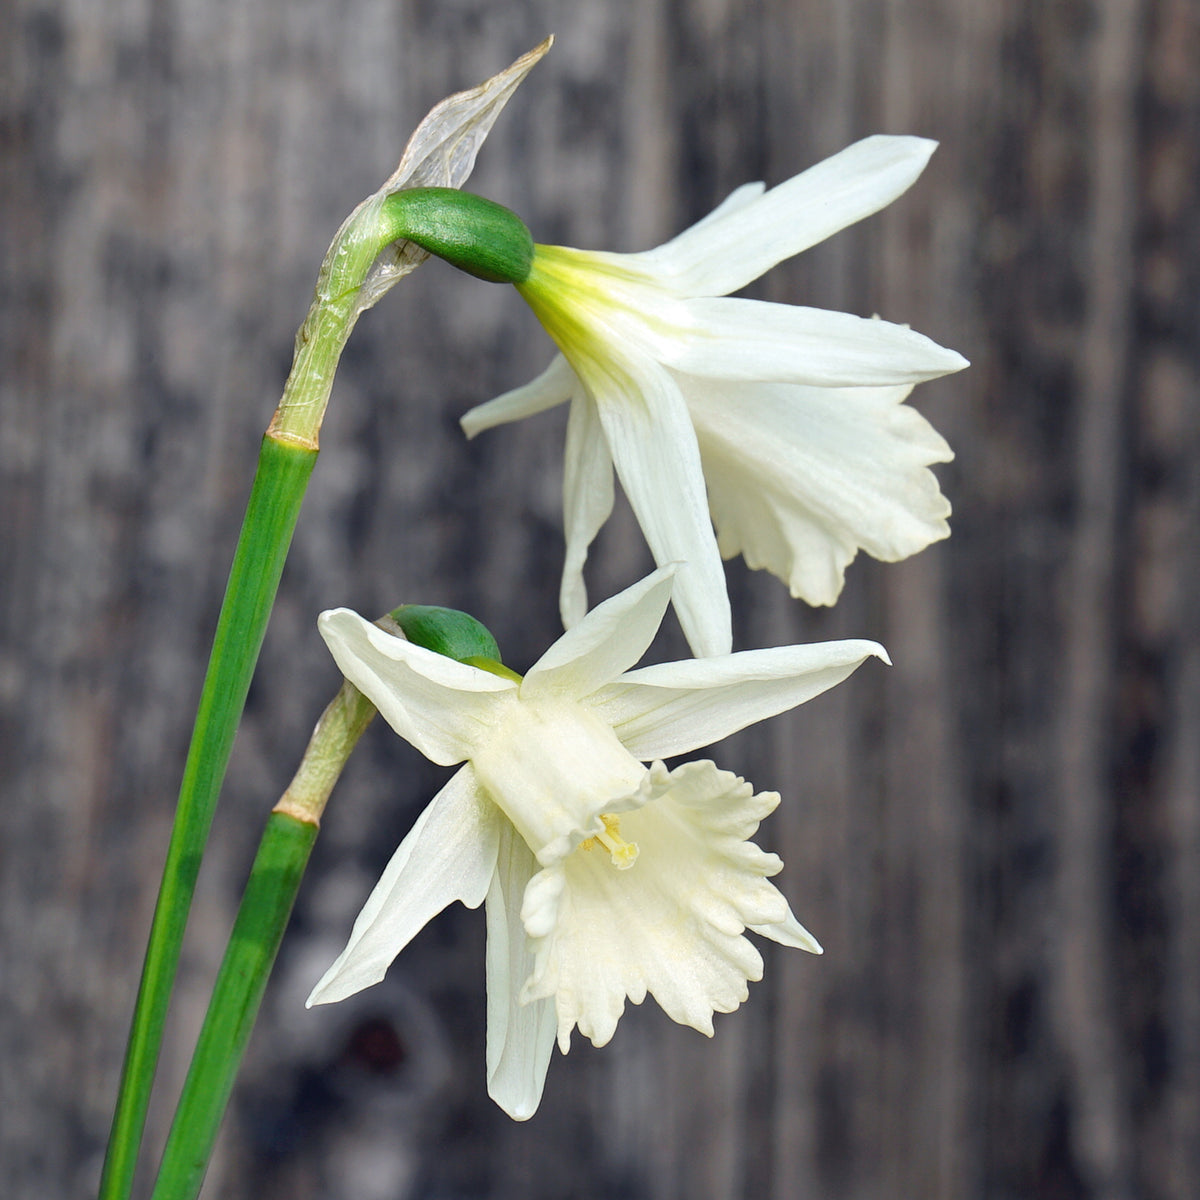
point(254, 942)
point(262, 917)
point(279, 483)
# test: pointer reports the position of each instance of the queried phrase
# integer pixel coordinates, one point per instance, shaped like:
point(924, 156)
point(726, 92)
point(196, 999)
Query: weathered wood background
point(998, 841)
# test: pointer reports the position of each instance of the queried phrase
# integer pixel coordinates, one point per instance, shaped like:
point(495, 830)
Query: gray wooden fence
point(998, 841)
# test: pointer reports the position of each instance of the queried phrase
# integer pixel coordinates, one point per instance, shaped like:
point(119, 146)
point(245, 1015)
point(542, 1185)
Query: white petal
point(755, 340)
point(719, 256)
point(441, 706)
point(607, 642)
point(653, 445)
point(738, 200)
point(673, 923)
point(587, 501)
point(800, 478)
point(448, 855)
point(556, 384)
point(789, 932)
point(519, 1036)
point(676, 707)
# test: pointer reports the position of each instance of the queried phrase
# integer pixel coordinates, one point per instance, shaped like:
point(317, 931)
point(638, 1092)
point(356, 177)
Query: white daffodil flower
point(605, 879)
point(792, 415)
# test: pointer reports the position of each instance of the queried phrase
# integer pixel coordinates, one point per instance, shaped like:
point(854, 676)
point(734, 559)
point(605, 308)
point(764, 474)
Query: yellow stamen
point(622, 853)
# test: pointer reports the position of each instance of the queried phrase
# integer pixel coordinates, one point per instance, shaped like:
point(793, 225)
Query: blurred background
point(997, 840)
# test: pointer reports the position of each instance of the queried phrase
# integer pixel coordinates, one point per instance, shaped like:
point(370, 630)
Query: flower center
point(622, 854)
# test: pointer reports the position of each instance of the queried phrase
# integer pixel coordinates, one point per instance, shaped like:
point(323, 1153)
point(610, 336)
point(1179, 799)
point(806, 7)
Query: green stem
point(253, 944)
point(279, 484)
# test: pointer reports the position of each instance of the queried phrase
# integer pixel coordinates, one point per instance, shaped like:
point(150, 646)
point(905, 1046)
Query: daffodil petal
point(727, 251)
point(555, 385)
point(672, 708)
point(440, 706)
point(737, 340)
point(587, 501)
point(653, 445)
point(520, 1036)
point(671, 925)
point(608, 641)
point(789, 932)
point(806, 476)
point(737, 201)
point(448, 855)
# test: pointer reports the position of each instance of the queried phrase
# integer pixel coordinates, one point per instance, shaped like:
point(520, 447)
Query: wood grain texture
point(997, 841)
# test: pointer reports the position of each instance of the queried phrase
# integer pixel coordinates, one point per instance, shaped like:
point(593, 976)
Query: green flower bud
point(446, 631)
point(478, 236)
